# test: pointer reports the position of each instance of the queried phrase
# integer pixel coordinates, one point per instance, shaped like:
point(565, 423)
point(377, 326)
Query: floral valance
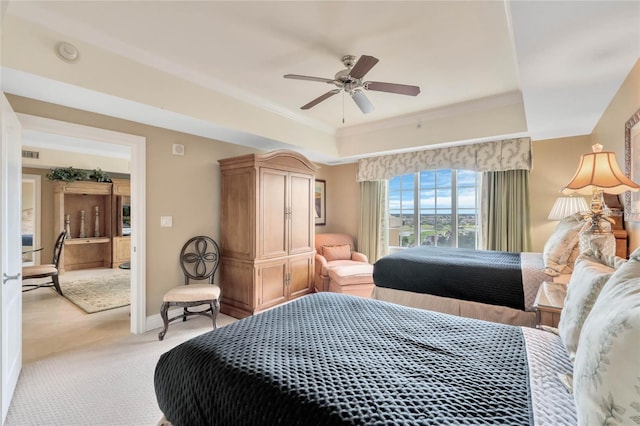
point(511, 154)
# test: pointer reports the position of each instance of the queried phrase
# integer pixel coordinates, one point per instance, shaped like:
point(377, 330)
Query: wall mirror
point(632, 166)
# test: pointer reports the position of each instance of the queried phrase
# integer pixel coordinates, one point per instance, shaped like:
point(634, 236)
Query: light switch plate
point(166, 221)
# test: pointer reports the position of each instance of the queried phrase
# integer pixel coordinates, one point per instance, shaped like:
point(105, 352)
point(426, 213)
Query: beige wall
point(610, 131)
point(343, 199)
point(187, 188)
point(554, 163)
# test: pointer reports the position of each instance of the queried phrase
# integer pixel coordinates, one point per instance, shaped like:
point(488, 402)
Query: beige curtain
point(506, 217)
point(374, 219)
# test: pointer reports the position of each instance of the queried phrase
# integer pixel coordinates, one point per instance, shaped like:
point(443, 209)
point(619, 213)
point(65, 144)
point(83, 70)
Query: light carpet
point(99, 293)
point(101, 385)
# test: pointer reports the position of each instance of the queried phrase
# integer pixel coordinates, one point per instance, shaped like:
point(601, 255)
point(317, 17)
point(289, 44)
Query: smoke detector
point(67, 51)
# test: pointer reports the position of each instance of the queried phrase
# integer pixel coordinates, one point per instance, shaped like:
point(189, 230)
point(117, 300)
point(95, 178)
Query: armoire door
point(272, 239)
point(301, 231)
point(271, 283)
point(300, 278)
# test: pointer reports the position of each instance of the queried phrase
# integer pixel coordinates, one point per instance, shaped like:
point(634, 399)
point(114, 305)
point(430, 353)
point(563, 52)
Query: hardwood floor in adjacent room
point(51, 324)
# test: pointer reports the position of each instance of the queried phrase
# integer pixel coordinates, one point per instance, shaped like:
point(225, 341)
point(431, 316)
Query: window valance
point(511, 154)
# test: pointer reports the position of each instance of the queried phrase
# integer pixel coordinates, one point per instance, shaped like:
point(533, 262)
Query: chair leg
point(56, 284)
point(215, 308)
point(165, 319)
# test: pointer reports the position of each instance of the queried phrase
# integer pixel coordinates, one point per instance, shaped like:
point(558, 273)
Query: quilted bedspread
point(485, 276)
point(335, 359)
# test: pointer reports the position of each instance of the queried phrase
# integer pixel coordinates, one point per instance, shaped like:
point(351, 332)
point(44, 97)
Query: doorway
point(80, 134)
point(30, 219)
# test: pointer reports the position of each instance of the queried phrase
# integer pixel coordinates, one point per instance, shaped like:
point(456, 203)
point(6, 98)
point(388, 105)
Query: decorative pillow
point(573, 256)
point(590, 274)
point(606, 375)
point(337, 252)
point(561, 244)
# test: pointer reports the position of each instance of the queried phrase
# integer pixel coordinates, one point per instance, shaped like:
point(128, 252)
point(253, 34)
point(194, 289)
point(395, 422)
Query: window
point(434, 207)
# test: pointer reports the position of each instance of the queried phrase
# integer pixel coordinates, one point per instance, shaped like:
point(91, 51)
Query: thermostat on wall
point(178, 149)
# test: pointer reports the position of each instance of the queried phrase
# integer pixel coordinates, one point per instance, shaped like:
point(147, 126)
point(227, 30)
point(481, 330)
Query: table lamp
point(598, 173)
point(566, 206)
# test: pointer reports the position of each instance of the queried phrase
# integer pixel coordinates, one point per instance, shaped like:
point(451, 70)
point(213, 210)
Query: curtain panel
point(506, 218)
point(374, 219)
point(511, 154)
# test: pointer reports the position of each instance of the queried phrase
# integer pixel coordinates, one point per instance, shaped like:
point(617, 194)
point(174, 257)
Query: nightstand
point(549, 303)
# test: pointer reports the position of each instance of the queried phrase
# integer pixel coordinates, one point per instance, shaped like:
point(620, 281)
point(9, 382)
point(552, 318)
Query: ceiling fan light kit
point(362, 101)
point(350, 80)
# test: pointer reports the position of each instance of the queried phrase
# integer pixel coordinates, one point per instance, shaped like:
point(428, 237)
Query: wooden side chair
point(49, 270)
point(199, 260)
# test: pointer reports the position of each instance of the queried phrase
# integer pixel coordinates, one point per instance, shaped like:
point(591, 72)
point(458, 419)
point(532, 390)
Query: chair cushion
point(192, 293)
point(322, 240)
point(342, 252)
point(337, 263)
point(352, 274)
point(36, 270)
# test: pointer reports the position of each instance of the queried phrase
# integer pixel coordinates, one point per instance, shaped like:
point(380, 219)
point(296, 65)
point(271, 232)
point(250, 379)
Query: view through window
point(435, 208)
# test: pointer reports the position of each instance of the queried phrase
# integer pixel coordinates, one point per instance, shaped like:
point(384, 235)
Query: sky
point(435, 188)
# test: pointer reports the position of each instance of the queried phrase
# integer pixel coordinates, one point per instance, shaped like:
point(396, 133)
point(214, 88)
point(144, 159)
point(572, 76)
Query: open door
point(10, 253)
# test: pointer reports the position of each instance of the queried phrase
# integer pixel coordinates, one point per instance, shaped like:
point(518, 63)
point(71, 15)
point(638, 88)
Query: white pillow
point(606, 375)
point(561, 244)
point(590, 274)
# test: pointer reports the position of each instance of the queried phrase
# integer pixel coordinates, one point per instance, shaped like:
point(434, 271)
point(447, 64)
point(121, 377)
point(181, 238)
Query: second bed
point(483, 284)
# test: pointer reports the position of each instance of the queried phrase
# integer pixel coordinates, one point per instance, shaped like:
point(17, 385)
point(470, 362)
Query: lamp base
point(602, 242)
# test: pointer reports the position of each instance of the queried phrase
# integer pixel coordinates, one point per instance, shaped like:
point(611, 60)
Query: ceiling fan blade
point(364, 64)
point(306, 77)
point(362, 101)
point(401, 89)
point(319, 99)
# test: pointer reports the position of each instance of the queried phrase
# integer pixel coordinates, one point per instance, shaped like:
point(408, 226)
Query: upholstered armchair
point(334, 250)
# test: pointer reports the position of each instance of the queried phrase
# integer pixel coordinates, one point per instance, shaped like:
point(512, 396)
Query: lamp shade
point(566, 206)
point(599, 171)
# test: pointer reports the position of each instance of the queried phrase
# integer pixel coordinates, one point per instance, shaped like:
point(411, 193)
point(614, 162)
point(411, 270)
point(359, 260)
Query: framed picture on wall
point(320, 201)
point(632, 165)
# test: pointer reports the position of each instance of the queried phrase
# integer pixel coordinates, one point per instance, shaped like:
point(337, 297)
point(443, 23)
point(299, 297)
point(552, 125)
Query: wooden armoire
point(267, 230)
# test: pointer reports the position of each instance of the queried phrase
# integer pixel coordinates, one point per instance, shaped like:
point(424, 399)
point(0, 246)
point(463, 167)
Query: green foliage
point(99, 176)
point(67, 174)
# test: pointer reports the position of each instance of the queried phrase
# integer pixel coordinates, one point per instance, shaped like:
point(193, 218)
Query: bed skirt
point(457, 307)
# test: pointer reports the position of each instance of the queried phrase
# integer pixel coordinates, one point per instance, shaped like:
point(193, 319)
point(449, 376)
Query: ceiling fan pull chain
point(343, 107)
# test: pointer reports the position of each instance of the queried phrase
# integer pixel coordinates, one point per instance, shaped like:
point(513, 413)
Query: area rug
point(99, 293)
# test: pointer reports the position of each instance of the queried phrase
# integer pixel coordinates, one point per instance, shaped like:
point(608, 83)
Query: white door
point(10, 253)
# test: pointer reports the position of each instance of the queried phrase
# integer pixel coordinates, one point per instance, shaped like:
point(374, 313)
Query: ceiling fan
point(350, 80)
